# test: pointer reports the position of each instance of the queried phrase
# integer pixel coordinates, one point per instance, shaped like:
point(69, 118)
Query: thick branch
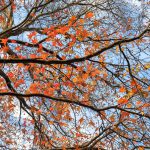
point(38, 61)
point(70, 101)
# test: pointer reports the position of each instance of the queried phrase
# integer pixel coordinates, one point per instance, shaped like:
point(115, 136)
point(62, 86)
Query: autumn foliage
point(74, 74)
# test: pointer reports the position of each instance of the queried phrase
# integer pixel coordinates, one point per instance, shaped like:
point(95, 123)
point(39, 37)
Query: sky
point(16, 115)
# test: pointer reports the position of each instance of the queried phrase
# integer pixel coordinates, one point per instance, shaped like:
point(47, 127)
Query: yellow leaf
point(147, 66)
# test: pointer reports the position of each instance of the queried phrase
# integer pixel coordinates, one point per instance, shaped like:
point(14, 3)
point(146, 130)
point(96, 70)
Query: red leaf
point(4, 41)
point(56, 85)
point(18, 48)
point(133, 83)
point(10, 74)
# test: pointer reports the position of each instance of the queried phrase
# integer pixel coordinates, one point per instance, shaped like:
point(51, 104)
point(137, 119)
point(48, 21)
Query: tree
point(74, 74)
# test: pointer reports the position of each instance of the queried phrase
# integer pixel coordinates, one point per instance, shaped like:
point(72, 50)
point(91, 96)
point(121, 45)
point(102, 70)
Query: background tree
point(74, 74)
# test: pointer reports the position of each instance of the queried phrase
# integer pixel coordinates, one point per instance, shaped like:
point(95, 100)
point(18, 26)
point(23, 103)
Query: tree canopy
point(74, 74)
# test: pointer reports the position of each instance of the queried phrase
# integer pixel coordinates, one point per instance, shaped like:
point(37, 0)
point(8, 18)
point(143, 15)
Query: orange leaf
point(122, 101)
point(8, 141)
point(1, 18)
point(129, 105)
point(63, 148)
point(44, 55)
point(75, 80)
point(51, 122)
point(141, 148)
point(96, 23)
point(32, 55)
point(18, 48)
point(32, 121)
point(81, 21)
point(138, 103)
point(117, 49)
point(145, 94)
point(39, 112)
point(81, 120)
point(124, 114)
point(17, 83)
point(1, 80)
point(85, 76)
point(134, 90)
point(89, 15)
point(49, 91)
point(5, 48)
point(72, 19)
point(148, 88)
point(63, 124)
point(92, 123)
point(33, 87)
point(112, 118)
point(34, 41)
point(4, 41)
point(122, 89)
point(133, 83)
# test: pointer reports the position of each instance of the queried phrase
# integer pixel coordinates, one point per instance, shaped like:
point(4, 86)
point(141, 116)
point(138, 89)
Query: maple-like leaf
point(18, 48)
point(10, 74)
point(122, 101)
point(122, 89)
point(89, 15)
point(81, 120)
point(19, 82)
point(4, 41)
point(76, 72)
